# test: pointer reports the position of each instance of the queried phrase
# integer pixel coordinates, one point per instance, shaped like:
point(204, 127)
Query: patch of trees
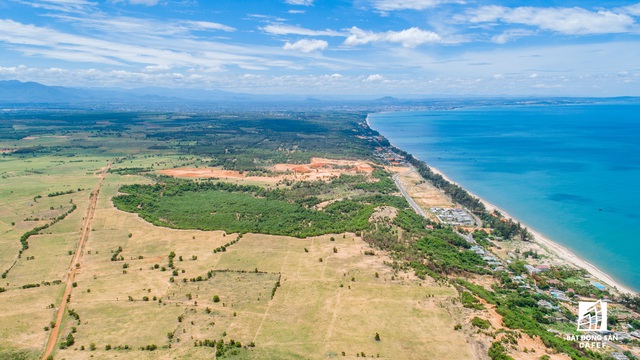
point(222, 348)
point(59, 193)
point(505, 228)
point(383, 185)
point(243, 209)
point(116, 254)
point(480, 323)
point(448, 253)
point(497, 351)
point(68, 342)
point(411, 222)
point(129, 170)
point(470, 301)
point(633, 302)
point(224, 247)
point(276, 286)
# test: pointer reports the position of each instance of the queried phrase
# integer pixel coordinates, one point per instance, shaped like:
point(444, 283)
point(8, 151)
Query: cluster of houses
point(453, 216)
point(536, 269)
point(495, 263)
point(387, 156)
point(559, 295)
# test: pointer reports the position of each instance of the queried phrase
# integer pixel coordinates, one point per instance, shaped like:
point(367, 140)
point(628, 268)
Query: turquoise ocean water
point(571, 172)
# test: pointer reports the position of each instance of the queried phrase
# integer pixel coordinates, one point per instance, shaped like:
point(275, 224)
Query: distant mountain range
point(17, 92)
point(13, 91)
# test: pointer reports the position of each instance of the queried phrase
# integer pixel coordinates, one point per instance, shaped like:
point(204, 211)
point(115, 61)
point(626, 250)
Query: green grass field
point(281, 297)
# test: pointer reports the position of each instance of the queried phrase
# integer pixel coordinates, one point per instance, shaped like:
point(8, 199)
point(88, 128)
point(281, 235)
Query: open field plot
point(319, 308)
point(23, 315)
point(26, 204)
point(339, 304)
point(423, 193)
point(47, 259)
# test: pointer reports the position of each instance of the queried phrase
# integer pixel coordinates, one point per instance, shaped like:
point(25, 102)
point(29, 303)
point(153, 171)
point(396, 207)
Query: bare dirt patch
point(425, 194)
point(204, 173)
point(384, 212)
point(535, 349)
point(317, 169)
point(322, 165)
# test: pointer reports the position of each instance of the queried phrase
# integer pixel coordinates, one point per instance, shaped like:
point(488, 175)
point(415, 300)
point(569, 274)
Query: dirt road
point(53, 336)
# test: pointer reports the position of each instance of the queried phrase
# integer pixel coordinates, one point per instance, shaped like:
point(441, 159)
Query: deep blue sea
point(571, 172)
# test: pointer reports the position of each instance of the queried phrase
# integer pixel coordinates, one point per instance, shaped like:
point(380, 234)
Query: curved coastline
point(552, 247)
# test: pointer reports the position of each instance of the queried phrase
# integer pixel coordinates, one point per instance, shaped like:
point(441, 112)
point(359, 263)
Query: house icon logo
point(592, 316)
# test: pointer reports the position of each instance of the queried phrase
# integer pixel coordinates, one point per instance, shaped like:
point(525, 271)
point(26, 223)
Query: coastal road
point(418, 209)
point(404, 192)
point(75, 262)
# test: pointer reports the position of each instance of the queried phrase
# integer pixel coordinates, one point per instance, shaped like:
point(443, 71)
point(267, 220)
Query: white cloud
point(632, 9)
point(124, 26)
point(144, 2)
point(147, 50)
point(306, 45)
point(296, 11)
point(572, 21)
point(77, 6)
point(299, 2)
point(374, 77)
point(511, 35)
point(389, 5)
point(206, 25)
point(296, 30)
point(410, 38)
point(157, 68)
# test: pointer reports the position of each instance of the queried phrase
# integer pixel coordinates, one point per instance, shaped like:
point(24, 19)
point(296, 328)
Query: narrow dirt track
point(53, 336)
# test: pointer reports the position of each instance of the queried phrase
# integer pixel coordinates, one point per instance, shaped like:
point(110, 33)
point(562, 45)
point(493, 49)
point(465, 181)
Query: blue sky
point(376, 47)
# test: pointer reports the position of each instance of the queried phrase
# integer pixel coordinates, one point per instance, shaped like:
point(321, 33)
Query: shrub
point(480, 323)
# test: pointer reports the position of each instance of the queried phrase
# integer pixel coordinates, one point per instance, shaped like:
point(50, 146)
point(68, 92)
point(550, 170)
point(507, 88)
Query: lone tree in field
point(216, 298)
point(377, 337)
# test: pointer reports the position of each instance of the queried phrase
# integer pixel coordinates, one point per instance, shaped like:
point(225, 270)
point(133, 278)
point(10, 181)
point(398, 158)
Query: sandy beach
point(556, 249)
point(553, 247)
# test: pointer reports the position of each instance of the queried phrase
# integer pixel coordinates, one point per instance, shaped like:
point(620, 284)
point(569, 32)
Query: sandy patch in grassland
point(47, 136)
point(317, 169)
point(555, 250)
point(217, 173)
point(322, 164)
point(397, 169)
point(423, 193)
point(383, 212)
